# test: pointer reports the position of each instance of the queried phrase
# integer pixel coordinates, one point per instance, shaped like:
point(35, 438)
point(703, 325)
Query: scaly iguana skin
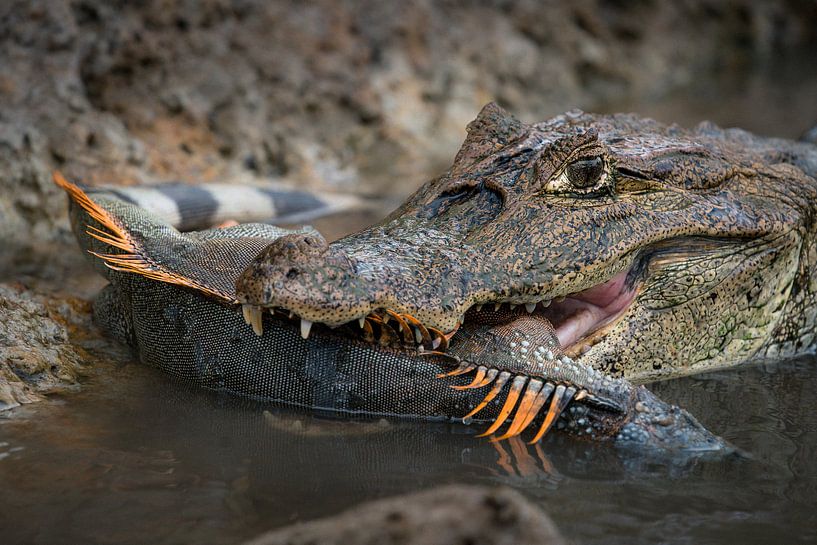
point(641, 250)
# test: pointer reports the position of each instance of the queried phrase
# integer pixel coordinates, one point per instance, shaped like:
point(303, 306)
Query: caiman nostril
point(292, 273)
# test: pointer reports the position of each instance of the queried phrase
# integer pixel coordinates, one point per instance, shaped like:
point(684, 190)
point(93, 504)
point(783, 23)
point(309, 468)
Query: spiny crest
point(529, 396)
point(133, 259)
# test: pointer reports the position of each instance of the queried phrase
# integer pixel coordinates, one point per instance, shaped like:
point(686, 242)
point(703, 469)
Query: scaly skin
point(677, 251)
point(171, 298)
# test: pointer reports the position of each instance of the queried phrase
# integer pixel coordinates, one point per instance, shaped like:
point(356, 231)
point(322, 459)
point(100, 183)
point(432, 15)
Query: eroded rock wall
point(357, 96)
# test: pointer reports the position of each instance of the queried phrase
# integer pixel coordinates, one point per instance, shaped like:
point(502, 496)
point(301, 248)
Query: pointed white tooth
point(386, 318)
point(545, 303)
point(497, 306)
point(306, 325)
point(435, 344)
point(418, 336)
point(513, 305)
point(361, 321)
point(530, 307)
point(478, 308)
point(586, 348)
point(256, 319)
point(291, 314)
point(246, 310)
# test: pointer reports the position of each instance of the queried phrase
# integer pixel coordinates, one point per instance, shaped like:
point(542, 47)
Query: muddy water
point(139, 458)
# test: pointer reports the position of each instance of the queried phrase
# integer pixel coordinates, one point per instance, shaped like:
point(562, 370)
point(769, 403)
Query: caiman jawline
point(580, 319)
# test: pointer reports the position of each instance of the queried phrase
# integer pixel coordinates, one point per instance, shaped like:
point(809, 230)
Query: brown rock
point(449, 515)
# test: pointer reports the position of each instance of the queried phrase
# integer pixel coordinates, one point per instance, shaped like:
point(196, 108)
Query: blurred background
point(369, 97)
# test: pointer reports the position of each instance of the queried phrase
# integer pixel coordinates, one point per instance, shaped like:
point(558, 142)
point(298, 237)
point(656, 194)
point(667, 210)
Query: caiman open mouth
point(580, 319)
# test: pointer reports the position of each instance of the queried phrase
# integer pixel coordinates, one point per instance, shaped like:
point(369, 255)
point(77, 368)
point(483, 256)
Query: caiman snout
point(284, 260)
point(301, 273)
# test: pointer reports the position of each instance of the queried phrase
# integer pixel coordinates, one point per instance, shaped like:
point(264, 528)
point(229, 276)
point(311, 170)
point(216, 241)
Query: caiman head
point(648, 251)
point(653, 251)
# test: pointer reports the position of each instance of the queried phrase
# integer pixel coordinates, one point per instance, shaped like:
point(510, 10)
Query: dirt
point(36, 356)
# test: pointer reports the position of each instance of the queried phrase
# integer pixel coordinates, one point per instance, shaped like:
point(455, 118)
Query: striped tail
point(190, 207)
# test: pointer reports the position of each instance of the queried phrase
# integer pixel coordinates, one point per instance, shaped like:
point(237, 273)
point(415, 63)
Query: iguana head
point(652, 251)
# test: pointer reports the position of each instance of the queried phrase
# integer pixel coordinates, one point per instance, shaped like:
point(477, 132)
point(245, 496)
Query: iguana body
point(639, 226)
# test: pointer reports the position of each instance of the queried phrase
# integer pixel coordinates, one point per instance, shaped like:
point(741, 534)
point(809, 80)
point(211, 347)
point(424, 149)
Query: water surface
point(137, 457)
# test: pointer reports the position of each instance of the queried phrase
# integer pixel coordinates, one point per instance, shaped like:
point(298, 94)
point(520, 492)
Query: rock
point(370, 97)
point(36, 357)
point(448, 515)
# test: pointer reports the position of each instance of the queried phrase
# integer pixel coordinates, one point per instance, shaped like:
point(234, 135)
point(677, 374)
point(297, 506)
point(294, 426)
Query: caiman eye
point(585, 173)
point(585, 176)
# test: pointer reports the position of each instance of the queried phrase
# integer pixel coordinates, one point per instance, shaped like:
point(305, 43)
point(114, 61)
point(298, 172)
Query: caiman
point(550, 271)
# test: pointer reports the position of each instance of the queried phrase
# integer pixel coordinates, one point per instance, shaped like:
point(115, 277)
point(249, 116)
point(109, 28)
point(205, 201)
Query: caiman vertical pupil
point(585, 173)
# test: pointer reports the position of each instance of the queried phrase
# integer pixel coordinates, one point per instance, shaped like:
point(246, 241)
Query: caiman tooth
point(581, 395)
point(361, 321)
point(291, 315)
point(478, 376)
point(561, 397)
point(524, 413)
point(530, 307)
point(512, 306)
point(545, 303)
point(510, 402)
point(497, 306)
point(440, 341)
point(306, 326)
point(246, 310)
point(256, 320)
point(478, 308)
point(421, 334)
point(498, 385)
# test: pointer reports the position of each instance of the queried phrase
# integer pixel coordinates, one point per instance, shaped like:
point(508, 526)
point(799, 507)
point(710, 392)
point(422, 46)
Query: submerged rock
point(448, 515)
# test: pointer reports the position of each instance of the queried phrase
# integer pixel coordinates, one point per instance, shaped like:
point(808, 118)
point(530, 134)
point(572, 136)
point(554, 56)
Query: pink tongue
point(603, 294)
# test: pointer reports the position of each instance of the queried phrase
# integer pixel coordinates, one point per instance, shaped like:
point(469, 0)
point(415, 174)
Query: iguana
point(549, 270)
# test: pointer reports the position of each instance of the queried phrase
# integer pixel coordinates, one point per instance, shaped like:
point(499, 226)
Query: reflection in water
point(136, 457)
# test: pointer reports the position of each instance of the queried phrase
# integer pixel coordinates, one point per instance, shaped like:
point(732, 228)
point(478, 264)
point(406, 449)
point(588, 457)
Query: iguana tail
point(190, 207)
point(124, 237)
